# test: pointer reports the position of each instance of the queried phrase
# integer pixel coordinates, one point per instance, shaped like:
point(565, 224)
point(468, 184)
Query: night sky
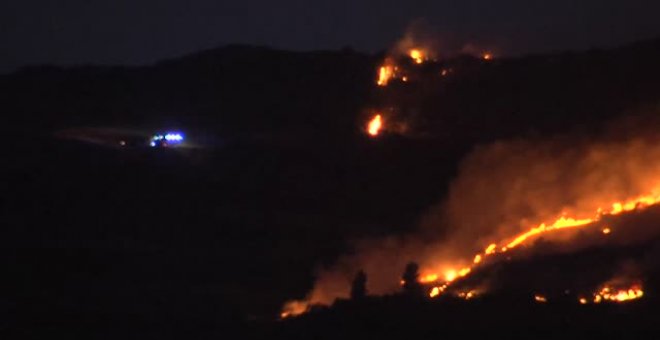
point(143, 31)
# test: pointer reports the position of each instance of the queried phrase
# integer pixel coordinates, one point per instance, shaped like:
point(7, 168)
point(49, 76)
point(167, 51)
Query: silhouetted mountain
point(241, 88)
point(227, 90)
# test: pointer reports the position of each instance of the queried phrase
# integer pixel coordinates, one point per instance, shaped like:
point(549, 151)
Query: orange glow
point(434, 292)
point(566, 220)
point(429, 278)
point(563, 222)
point(560, 223)
point(540, 298)
point(443, 72)
point(385, 74)
point(293, 308)
point(583, 301)
point(487, 56)
point(375, 125)
point(467, 295)
point(417, 55)
point(464, 271)
point(450, 275)
point(618, 295)
point(490, 249)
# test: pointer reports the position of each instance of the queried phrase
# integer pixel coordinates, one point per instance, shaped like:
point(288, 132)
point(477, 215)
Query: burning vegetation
point(417, 55)
point(375, 125)
point(391, 69)
point(386, 73)
point(586, 184)
point(409, 69)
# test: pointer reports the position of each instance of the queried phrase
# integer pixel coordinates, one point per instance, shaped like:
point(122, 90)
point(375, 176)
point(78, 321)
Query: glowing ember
point(293, 308)
point(434, 292)
point(583, 301)
point(464, 271)
point(540, 298)
point(477, 259)
point(618, 295)
point(490, 249)
point(487, 56)
point(467, 295)
point(417, 55)
point(385, 74)
point(607, 231)
point(375, 125)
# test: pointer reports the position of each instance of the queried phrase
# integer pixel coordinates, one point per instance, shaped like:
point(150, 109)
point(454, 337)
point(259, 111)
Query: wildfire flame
point(375, 125)
point(429, 278)
point(434, 292)
point(608, 293)
point(385, 73)
point(417, 55)
point(562, 222)
point(293, 308)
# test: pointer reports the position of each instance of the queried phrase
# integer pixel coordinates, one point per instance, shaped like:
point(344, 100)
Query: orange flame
point(618, 295)
point(487, 56)
point(385, 74)
point(417, 55)
point(434, 292)
point(540, 298)
point(293, 308)
point(562, 222)
point(375, 125)
point(429, 278)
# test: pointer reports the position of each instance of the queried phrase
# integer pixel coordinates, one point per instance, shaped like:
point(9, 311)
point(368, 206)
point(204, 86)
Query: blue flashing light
point(174, 137)
point(169, 138)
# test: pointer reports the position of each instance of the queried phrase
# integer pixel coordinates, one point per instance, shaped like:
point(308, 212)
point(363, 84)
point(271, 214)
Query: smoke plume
point(504, 188)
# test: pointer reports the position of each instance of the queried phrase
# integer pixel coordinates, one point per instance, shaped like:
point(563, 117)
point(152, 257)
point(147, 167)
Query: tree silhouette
point(411, 279)
point(359, 286)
